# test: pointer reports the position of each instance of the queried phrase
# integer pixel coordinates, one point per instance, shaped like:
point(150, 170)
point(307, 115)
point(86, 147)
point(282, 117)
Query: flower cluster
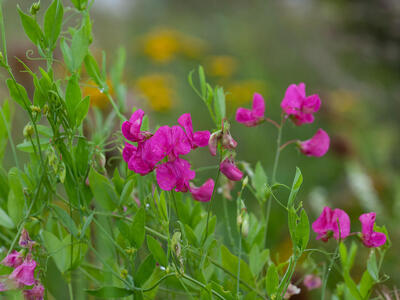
point(295, 106)
point(24, 266)
point(336, 223)
point(163, 151)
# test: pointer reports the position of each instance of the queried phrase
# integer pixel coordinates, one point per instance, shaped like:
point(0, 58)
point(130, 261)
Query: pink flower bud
point(371, 238)
point(204, 192)
point(229, 169)
point(317, 146)
point(312, 282)
point(291, 291)
point(213, 142)
point(14, 259)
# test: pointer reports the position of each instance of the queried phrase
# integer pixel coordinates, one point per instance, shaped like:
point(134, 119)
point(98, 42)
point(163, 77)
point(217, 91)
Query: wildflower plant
point(109, 206)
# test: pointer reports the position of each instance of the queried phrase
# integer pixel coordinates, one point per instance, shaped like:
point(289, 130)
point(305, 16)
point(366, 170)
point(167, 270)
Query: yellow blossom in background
point(157, 89)
point(163, 45)
point(241, 92)
point(343, 101)
point(97, 98)
point(221, 65)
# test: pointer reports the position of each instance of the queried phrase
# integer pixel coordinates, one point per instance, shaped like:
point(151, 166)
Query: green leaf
point(303, 231)
point(31, 28)
point(57, 250)
point(82, 110)
point(366, 284)
point(65, 219)
point(259, 181)
point(203, 83)
point(219, 105)
point(110, 292)
point(80, 4)
point(137, 228)
point(298, 180)
point(372, 266)
point(161, 205)
point(18, 93)
point(73, 97)
point(157, 251)
point(86, 225)
point(67, 54)
point(230, 262)
point(26, 146)
point(5, 220)
point(53, 22)
point(102, 190)
point(82, 153)
point(145, 270)
point(126, 194)
point(92, 68)
point(272, 280)
point(16, 199)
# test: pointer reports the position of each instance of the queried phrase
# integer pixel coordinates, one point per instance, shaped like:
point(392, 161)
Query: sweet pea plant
point(105, 206)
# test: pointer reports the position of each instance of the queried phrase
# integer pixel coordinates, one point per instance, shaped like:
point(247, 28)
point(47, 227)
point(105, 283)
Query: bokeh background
point(347, 51)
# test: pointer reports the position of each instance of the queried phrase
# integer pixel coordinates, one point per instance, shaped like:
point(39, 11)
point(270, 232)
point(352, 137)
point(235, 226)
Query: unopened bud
point(124, 273)
point(227, 141)
point(28, 131)
point(213, 142)
point(35, 108)
point(35, 8)
point(45, 109)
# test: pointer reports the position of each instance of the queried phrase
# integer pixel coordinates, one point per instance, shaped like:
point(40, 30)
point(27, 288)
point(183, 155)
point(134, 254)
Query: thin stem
point(239, 259)
point(202, 285)
point(3, 33)
point(274, 169)
point(115, 107)
point(326, 276)
point(273, 122)
point(287, 144)
point(71, 293)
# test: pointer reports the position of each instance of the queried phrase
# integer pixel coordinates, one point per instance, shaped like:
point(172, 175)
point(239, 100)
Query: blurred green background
point(347, 51)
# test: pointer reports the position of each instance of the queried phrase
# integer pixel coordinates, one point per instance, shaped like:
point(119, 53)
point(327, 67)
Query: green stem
point(274, 169)
point(115, 107)
point(228, 224)
point(71, 293)
point(326, 276)
point(202, 285)
point(3, 33)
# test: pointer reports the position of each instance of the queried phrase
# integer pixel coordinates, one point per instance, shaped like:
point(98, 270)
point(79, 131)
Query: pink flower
point(312, 282)
point(35, 293)
point(254, 116)
point(317, 146)
point(134, 156)
point(25, 273)
point(329, 221)
point(371, 239)
point(131, 129)
point(174, 174)
point(298, 106)
point(291, 291)
point(213, 142)
point(229, 169)
point(25, 240)
point(198, 138)
point(204, 192)
point(14, 259)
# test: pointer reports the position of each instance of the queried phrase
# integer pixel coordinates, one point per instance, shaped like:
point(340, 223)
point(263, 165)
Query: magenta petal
point(201, 138)
point(258, 108)
point(180, 144)
point(371, 239)
point(317, 146)
point(131, 129)
point(166, 177)
point(128, 151)
point(24, 273)
point(186, 122)
point(328, 222)
point(245, 117)
point(292, 100)
point(204, 192)
point(229, 169)
point(14, 259)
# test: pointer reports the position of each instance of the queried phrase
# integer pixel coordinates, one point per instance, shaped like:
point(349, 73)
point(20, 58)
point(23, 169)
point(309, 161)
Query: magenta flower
point(329, 222)
point(254, 116)
point(134, 156)
point(131, 129)
point(371, 239)
point(204, 192)
point(14, 259)
point(229, 169)
point(317, 146)
point(25, 273)
point(198, 138)
point(298, 106)
point(35, 293)
point(312, 282)
point(174, 174)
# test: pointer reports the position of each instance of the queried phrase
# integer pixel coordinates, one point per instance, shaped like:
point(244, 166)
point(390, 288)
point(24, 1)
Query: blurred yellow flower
point(157, 89)
point(221, 65)
point(163, 45)
point(241, 92)
point(343, 101)
point(97, 98)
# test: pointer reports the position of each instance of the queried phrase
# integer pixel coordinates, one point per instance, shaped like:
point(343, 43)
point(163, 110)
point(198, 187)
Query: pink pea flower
point(25, 240)
point(198, 138)
point(317, 146)
point(35, 293)
point(254, 116)
point(14, 259)
point(134, 156)
point(25, 273)
point(174, 174)
point(229, 169)
point(291, 291)
point(298, 106)
point(204, 192)
point(329, 222)
point(312, 282)
point(131, 129)
point(371, 239)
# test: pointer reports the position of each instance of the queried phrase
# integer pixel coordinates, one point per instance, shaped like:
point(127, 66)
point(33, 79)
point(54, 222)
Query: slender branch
point(326, 275)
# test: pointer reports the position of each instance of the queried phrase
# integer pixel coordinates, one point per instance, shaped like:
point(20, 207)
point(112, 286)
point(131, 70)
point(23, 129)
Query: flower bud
point(35, 8)
point(35, 108)
point(229, 169)
point(227, 141)
point(213, 142)
point(28, 131)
